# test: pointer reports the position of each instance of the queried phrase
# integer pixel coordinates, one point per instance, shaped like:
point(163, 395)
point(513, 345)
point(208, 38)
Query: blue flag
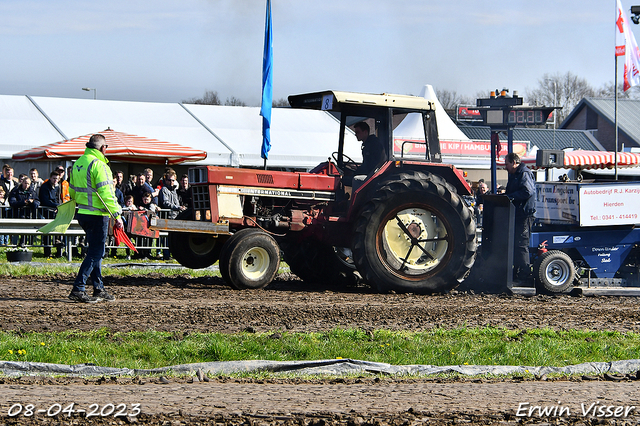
point(267, 86)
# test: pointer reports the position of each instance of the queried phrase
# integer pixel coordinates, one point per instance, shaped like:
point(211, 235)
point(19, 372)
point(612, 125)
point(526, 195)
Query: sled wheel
point(314, 262)
point(194, 250)
point(415, 235)
point(250, 259)
point(554, 271)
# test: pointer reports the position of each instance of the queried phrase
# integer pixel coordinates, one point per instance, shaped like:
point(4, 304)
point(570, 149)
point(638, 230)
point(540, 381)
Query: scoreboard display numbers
point(526, 116)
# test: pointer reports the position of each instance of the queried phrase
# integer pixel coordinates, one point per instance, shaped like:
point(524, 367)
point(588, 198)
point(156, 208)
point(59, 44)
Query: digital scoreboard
point(527, 116)
point(516, 116)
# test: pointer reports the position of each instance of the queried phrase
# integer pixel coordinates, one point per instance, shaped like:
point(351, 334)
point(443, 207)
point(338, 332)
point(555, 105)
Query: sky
point(173, 50)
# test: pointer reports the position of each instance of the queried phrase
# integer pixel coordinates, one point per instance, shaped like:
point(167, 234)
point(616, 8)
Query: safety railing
point(19, 228)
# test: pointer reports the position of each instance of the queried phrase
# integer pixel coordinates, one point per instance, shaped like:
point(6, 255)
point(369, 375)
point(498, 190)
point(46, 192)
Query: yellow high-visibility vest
point(90, 176)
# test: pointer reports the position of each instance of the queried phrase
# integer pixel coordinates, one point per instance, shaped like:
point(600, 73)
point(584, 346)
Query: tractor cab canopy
point(382, 113)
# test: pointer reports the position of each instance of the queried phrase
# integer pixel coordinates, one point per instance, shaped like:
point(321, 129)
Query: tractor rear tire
point(193, 250)
point(554, 271)
point(250, 259)
point(415, 234)
point(314, 262)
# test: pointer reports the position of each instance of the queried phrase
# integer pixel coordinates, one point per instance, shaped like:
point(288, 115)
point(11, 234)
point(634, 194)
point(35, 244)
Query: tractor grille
point(201, 197)
point(262, 178)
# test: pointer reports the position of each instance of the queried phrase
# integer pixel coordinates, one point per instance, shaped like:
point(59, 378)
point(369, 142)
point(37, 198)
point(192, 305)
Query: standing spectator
point(50, 198)
point(92, 190)
point(119, 195)
point(36, 181)
point(4, 207)
point(154, 190)
point(184, 192)
point(169, 198)
point(129, 185)
point(521, 190)
point(64, 185)
point(7, 181)
point(483, 189)
point(141, 188)
point(50, 191)
point(4, 199)
point(118, 178)
point(23, 200)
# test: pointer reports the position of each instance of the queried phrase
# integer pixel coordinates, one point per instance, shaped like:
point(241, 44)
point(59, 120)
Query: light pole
point(95, 91)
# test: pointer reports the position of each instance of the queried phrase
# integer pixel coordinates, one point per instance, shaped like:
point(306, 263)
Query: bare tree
point(606, 91)
point(563, 90)
point(280, 103)
point(210, 98)
point(233, 101)
point(450, 99)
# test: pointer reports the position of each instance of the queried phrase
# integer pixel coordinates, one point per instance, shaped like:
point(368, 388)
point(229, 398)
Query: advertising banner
point(609, 204)
point(557, 203)
point(588, 204)
point(461, 148)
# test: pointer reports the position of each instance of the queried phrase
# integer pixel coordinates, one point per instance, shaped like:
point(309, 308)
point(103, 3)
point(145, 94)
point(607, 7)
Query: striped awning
point(585, 160)
point(122, 147)
point(599, 159)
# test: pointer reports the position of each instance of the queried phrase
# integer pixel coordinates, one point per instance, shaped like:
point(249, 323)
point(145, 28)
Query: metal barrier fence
point(19, 228)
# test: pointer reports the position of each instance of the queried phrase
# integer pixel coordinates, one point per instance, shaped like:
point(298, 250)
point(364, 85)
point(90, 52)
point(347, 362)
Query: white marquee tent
point(231, 136)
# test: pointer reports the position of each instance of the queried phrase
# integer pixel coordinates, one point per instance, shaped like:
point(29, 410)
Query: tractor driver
point(373, 156)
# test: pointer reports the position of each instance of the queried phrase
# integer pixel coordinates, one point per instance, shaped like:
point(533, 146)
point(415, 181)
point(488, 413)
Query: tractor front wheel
point(250, 259)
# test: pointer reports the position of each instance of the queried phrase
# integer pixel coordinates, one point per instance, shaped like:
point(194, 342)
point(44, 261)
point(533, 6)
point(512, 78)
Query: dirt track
point(205, 304)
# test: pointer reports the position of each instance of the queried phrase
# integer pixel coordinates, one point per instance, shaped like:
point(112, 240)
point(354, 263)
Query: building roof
point(541, 138)
point(628, 113)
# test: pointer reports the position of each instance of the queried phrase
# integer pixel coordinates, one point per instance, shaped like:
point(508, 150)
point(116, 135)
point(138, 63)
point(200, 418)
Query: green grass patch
point(479, 346)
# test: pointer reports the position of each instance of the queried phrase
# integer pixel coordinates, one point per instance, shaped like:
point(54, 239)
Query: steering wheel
point(350, 164)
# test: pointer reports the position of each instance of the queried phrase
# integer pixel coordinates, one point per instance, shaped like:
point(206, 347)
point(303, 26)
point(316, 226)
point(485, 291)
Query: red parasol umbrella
point(122, 147)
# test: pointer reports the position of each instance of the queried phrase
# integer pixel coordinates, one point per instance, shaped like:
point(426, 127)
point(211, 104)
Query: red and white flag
point(626, 45)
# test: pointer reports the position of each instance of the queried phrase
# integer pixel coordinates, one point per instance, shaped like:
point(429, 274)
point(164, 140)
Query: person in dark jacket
point(521, 190)
point(49, 193)
point(23, 200)
point(141, 188)
point(184, 192)
point(373, 156)
point(49, 196)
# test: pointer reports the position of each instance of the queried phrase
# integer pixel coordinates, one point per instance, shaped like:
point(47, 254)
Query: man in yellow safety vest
point(91, 187)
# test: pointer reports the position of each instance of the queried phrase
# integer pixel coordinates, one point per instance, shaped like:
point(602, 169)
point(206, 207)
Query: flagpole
point(267, 87)
point(615, 102)
point(615, 119)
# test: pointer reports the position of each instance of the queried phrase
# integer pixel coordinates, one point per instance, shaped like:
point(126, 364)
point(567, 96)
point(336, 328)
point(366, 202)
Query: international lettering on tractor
point(398, 219)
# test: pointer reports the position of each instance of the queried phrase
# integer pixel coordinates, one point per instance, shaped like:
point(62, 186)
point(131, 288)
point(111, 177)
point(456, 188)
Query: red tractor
point(404, 228)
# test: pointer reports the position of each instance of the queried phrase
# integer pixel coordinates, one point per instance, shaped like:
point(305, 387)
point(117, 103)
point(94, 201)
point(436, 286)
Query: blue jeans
point(95, 228)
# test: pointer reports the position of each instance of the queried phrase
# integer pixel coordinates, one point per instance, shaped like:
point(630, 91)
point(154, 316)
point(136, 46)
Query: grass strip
point(461, 346)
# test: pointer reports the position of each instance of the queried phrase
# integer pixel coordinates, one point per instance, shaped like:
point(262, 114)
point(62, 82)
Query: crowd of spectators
point(140, 192)
point(29, 196)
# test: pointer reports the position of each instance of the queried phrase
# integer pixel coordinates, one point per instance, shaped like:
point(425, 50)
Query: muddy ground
point(188, 305)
